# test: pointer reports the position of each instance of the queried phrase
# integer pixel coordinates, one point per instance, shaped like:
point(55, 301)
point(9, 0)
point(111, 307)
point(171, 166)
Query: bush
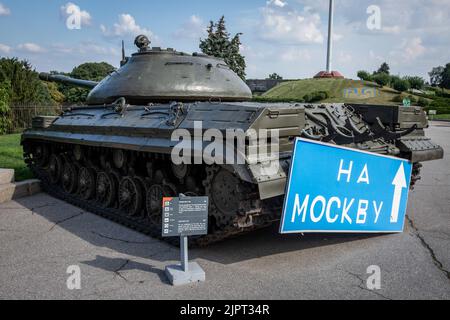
point(316, 96)
point(401, 85)
point(382, 79)
point(416, 82)
point(398, 98)
point(364, 75)
point(423, 102)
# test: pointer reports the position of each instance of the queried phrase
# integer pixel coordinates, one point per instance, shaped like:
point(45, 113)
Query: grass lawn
point(11, 156)
point(441, 117)
point(297, 89)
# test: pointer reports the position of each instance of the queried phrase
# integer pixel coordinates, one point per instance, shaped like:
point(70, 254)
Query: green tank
point(113, 156)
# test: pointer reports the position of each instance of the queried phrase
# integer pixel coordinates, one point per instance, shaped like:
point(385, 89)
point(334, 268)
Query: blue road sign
point(338, 189)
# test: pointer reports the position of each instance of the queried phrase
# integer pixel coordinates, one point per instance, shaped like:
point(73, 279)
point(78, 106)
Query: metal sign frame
point(288, 186)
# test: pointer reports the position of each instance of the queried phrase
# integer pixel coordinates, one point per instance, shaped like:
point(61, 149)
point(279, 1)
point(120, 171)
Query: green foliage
point(316, 96)
point(25, 84)
point(364, 75)
point(382, 79)
point(401, 85)
point(440, 76)
point(5, 120)
point(275, 76)
point(441, 105)
point(446, 77)
point(415, 82)
point(423, 102)
point(218, 44)
point(94, 71)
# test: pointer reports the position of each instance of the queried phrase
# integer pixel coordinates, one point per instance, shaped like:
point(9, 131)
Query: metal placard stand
point(186, 272)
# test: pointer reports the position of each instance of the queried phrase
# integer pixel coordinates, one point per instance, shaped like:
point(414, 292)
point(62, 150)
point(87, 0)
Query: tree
point(5, 120)
point(446, 77)
point(25, 86)
point(436, 76)
point(218, 44)
point(275, 76)
point(364, 75)
point(384, 68)
point(401, 85)
point(416, 82)
point(94, 71)
point(382, 79)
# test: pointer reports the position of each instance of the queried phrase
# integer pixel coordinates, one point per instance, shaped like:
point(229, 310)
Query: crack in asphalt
point(362, 287)
point(117, 271)
point(65, 220)
point(121, 240)
point(51, 204)
point(430, 250)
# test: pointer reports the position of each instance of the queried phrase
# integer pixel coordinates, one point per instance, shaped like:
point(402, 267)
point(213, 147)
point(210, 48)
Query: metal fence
point(22, 115)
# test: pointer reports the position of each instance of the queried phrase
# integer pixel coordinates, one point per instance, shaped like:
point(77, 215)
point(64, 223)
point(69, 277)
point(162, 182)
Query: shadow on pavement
point(100, 232)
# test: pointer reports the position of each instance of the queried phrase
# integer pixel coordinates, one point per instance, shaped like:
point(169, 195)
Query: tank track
point(228, 227)
point(250, 213)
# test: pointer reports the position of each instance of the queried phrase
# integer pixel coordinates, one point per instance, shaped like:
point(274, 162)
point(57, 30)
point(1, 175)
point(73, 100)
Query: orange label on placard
point(166, 199)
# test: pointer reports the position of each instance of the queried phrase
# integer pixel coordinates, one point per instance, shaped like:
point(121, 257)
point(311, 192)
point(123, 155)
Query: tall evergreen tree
point(218, 44)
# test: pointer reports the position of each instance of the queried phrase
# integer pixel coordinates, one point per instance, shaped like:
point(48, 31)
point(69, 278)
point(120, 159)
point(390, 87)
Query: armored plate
point(155, 75)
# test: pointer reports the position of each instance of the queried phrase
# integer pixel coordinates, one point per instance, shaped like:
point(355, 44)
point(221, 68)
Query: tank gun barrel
point(67, 80)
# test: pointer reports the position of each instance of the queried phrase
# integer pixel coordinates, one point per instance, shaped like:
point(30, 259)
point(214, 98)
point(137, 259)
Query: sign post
point(336, 189)
point(183, 217)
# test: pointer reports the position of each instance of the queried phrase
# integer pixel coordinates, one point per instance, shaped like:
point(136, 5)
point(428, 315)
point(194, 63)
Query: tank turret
point(159, 75)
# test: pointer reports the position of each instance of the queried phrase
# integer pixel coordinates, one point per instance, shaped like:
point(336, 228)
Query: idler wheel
point(130, 196)
point(106, 190)
point(86, 183)
point(55, 168)
point(69, 178)
point(224, 192)
point(40, 155)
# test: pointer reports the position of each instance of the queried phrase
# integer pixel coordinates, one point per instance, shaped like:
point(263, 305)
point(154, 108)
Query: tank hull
point(117, 162)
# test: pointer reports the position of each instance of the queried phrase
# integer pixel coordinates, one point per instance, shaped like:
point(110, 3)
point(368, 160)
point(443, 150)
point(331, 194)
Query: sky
point(283, 36)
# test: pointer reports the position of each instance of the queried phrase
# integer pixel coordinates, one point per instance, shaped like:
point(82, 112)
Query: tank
point(114, 155)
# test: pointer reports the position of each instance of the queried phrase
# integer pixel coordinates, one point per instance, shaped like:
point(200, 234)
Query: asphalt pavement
point(41, 237)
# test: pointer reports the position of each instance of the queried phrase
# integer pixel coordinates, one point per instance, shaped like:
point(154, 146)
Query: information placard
point(185, 216)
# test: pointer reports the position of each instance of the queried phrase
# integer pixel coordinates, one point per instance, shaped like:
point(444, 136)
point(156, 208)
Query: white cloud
point(281, 23)
point(408, 51)
point(277, 3)
point(344, 57)
point(86, 48)
point(126, 26)
point(194, 28)
point(4, 11)
point(4, 48)
point(31, 48)
point(412, 48)
point(70, 8)
point(296, 55)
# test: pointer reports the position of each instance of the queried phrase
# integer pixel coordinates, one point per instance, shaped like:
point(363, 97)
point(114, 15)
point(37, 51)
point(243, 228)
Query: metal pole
point(184, 253)
point(330, 36)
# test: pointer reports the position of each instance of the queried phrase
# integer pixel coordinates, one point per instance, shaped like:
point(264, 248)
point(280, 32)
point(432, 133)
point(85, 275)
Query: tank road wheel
point(55, 168)
point(153, 202)
point(130, 196)
point(69, 178)
point(106, 190)
point(86, 183)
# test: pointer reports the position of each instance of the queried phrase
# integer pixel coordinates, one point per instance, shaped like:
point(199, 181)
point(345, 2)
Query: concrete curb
point(10, 190)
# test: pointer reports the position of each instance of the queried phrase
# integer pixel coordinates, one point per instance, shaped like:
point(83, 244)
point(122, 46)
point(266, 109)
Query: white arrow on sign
point(400, 183)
